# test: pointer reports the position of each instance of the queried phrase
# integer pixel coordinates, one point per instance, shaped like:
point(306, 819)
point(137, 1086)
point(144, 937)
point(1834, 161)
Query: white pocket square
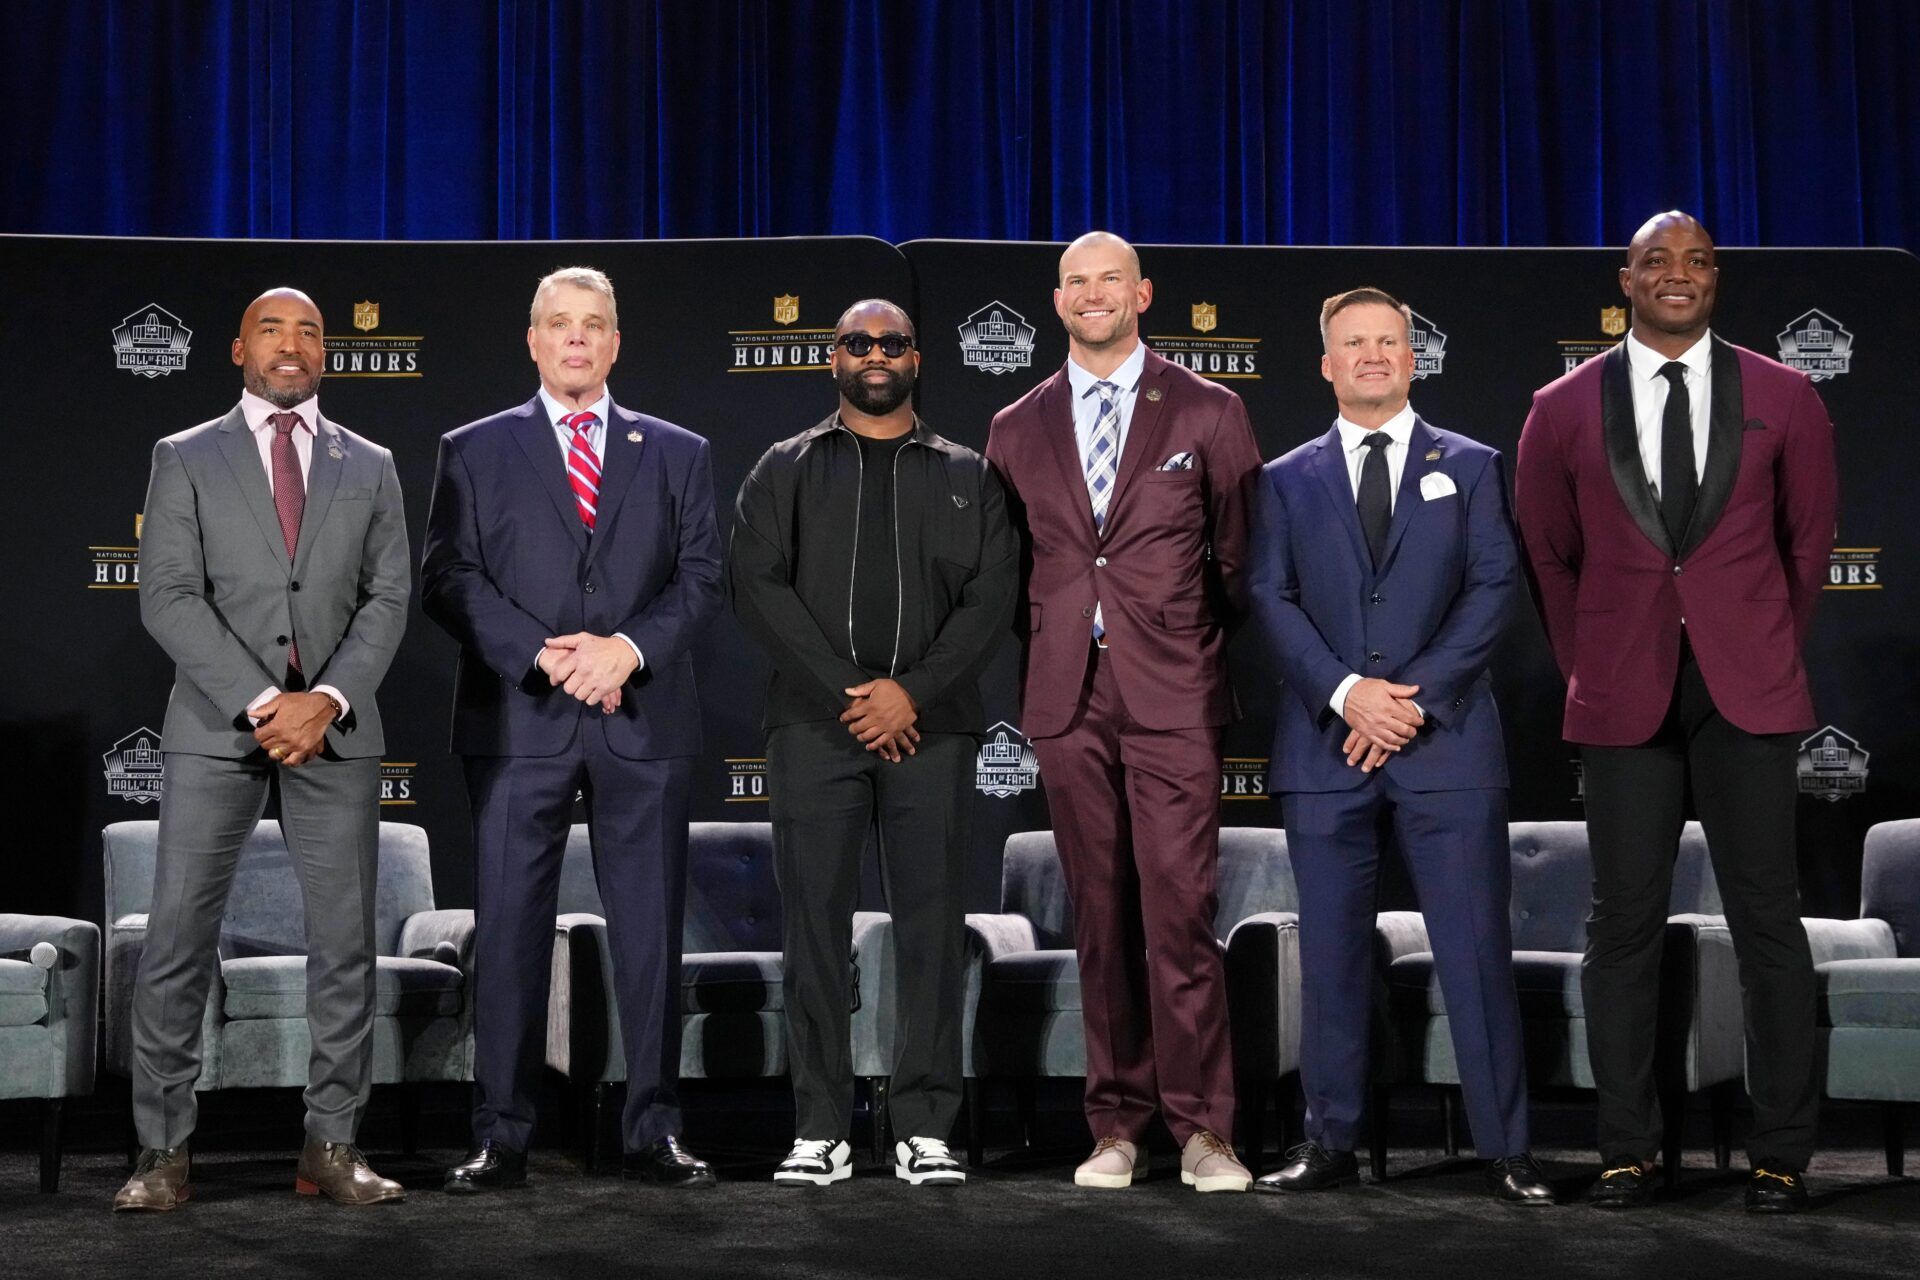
point(1436, 484)
point(1178, 462)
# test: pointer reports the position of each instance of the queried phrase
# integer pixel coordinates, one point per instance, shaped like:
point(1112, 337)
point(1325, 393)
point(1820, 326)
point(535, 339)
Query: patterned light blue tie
point(1103, 452)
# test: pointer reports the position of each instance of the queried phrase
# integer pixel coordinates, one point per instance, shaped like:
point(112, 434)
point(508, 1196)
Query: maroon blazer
point(1167, 569)
point(1612, 587)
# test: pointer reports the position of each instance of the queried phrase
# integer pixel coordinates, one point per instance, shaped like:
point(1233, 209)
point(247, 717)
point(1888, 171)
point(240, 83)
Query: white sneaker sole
point(794, 1178)
point(931, 1177)
point(1218, 1181)
point(1107, 1181)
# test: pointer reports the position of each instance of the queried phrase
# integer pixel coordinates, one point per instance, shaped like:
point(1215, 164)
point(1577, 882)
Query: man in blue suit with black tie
point(1384, 565)
point(571, 549)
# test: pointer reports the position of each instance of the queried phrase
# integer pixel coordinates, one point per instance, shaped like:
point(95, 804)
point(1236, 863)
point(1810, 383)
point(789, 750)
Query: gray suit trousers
point(330, 814)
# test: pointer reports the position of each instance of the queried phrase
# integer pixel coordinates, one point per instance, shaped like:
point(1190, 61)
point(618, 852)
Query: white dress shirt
point(1086, 415)
point(1398, 429)
point(259, 413)
point(1650, 392)
point(597, 440)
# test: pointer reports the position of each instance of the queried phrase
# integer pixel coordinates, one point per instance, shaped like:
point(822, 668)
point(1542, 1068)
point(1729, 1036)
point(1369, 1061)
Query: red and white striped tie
point(583, 469)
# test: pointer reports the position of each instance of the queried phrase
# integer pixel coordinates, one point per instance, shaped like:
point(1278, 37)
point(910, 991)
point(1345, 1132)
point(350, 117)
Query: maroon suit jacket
point(1167, 569)
point(1612, 587)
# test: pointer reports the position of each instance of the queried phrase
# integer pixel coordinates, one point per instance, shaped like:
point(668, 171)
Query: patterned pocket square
point(1178, 462)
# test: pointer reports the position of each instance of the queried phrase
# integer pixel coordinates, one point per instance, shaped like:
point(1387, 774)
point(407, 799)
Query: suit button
point(1456, 704)
point(1087, 612)
point(279, 639)
point(1375, 657)
point(1676, 571)
point(1100, 562)
point(589, 588)
point(1375, 599)
point(295, 585)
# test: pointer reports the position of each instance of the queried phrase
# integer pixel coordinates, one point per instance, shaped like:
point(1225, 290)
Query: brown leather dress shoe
point(339, 1172)
point(159, 1181)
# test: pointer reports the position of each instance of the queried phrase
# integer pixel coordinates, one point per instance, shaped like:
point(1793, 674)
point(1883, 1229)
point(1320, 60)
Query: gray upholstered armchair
point(1700, 1042)
point(731, 1004)
point(1868, 972)
point(49, 973)
point(256, 1015)
point(1022, 1011)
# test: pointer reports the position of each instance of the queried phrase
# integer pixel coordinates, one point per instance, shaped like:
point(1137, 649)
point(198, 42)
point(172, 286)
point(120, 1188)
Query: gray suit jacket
point(220, 594)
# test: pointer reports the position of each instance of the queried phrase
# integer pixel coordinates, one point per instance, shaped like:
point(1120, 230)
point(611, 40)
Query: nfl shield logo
point(1205, 317)
point(1613, 321)
point(786, 308)
point(366, 316)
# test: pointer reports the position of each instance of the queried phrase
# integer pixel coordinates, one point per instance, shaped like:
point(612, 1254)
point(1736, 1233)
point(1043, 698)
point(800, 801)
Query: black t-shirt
point(876, 564)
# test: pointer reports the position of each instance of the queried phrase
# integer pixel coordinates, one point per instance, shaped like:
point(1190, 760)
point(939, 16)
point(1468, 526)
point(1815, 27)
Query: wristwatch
point(338, 710)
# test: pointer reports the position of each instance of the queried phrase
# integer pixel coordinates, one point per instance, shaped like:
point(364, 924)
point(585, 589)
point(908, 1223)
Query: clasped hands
point(589, 667)
point(881, 715)
point(292, 727)
point(1382, 719)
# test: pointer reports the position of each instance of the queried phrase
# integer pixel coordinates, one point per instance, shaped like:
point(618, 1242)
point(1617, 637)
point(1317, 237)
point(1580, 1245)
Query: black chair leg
point(1893, 1120)
point(1450, 1140)
point(1377, 1133)
point(1672, 1141)
point(877, 1106)
point(410, 1119)
point(1291, 1104)
point(1720, 1108)
point(53, 1111)
point(1252, 1119)
point(1024, 1091)
point(596, 1116)
point(976, 1124)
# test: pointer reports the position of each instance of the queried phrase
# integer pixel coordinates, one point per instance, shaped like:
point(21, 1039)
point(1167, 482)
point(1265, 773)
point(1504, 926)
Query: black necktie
point(1678, 484)
point(1376, 496)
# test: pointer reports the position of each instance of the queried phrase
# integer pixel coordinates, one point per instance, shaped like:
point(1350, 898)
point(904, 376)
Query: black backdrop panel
point(113, 343)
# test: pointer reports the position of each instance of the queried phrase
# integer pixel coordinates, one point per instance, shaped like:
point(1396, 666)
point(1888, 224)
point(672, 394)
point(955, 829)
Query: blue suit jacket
point(507, 563)
point(1431, 615)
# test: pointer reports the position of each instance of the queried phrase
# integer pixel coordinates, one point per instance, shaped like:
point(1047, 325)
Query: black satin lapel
point(1330, 464)
point(536, 438)
point(1726, 432)
point(1419, 444)
point(323, 477)
point(243, 459)
point(1623, 448)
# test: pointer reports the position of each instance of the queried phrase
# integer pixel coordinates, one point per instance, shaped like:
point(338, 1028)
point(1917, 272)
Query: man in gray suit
point(274, 572)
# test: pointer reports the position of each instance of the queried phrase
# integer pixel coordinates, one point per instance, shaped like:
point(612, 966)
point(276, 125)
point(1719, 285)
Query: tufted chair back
point(733, 903)
point(1553, 883)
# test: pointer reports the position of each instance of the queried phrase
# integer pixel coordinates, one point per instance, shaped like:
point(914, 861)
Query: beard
point(875, 398)
point(279, 397)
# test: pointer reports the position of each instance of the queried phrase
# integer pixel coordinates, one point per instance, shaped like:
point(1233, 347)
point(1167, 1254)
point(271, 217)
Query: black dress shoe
point(1777, 1190)
point(1518, 1180)
point(1627, 1186)
point(1311, 1167)
point(665, 1161)
point(492, 1167)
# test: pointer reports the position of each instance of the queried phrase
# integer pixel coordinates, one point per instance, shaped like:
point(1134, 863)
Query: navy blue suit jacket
point(507, 563)
point(1431, 615)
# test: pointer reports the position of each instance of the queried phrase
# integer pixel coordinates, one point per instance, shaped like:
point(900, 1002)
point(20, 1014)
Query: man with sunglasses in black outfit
point(875, 562)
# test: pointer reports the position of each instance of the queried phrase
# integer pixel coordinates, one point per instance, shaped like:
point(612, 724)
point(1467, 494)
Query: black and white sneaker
point(926, 1162)
point(815, 1162)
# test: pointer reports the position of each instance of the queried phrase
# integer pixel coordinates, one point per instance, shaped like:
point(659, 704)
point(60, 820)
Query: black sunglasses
point(892, 346)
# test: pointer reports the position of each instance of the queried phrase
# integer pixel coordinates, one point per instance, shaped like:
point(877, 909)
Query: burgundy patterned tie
point(289, 495)
point(583, 469)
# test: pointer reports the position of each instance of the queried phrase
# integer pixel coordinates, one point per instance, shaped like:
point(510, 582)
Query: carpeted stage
point(1018, 1217)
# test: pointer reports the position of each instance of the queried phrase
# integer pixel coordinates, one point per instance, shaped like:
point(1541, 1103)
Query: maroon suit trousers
point(1136, 818)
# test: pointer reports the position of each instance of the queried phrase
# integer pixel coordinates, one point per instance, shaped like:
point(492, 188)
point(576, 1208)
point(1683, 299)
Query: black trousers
point(1744, 794)
point(828, 793)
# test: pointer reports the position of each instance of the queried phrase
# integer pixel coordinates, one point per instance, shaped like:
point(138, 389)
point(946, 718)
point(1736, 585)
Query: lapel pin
point(1433, 455)
point(333, 450)
point(958, 501)
point(1154, 393)
point(634, 436)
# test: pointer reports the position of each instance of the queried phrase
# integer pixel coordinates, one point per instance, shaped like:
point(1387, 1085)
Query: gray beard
point(280, 399)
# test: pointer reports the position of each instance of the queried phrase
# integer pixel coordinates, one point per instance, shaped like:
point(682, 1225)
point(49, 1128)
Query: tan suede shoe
point(1207, 1163)
point(1114, 1164)
point(339, 1172)
point(159, 1181)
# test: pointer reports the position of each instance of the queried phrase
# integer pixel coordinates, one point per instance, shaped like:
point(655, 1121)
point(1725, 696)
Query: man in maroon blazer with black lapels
point(1129, 480)
point(1676, 498)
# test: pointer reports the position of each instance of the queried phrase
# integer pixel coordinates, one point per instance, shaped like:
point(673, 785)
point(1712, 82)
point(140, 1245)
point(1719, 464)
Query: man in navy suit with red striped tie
point(571, 549)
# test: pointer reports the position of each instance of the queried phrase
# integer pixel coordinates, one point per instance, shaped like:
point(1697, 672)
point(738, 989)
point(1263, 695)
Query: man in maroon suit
point(1676, 498)
point(1130, 479)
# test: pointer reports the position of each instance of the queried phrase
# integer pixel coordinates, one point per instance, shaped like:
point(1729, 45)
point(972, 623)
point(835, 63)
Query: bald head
point(282, 299)
point(1676, 221)
point(281, 347)
point(862, 315)
point(1100, 241)
point(1670, 279)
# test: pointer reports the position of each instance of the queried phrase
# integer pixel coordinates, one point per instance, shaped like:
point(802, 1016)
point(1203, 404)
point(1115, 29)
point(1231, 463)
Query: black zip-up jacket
point(795, 528)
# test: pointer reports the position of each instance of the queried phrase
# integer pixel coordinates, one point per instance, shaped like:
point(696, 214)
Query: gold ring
point(277, 754)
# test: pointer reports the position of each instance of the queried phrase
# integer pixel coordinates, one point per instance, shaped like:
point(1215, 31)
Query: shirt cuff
point(1339, 699)
point(637, 655)
point(338, 697)
point(266, 695)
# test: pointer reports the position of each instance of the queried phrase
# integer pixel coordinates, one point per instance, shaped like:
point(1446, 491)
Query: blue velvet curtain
point(1215, 121)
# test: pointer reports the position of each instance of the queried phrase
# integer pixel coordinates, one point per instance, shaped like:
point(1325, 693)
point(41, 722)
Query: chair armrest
point(126, 941)
point(993, 935)
point(1850, 940)
point(583, 1022)
point(874, 994)
point(1400, 933)
point(425, 935)
point(69, 952)
point(1699, 958)
point(1263, 995)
